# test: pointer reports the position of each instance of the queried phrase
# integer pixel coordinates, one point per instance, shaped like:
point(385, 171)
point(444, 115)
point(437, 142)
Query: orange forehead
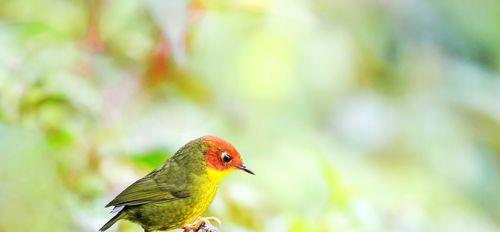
point(216, 146)
point(219, 143)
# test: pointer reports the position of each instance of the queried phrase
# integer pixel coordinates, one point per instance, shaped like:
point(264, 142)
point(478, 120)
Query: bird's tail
point(112, 221)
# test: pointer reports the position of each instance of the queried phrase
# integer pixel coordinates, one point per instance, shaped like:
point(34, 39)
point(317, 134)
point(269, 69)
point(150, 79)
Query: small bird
point(178, 192)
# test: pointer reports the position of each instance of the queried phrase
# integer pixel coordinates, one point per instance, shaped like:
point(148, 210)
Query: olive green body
point(171, 196)
point(171, 215)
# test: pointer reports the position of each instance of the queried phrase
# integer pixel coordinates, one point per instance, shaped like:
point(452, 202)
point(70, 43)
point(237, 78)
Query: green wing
point(153, 187)
point(170, 182)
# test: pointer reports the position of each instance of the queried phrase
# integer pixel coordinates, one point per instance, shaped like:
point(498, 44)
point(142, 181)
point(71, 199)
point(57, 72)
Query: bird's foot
point(202, 224)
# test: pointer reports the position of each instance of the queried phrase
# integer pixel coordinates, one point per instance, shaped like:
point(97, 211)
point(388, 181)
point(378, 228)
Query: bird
point(176, 194)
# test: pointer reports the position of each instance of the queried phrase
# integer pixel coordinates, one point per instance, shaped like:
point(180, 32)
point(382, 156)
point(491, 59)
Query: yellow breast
point(205, 192)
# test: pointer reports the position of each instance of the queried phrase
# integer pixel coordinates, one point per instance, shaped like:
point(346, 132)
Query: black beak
point(242, 167)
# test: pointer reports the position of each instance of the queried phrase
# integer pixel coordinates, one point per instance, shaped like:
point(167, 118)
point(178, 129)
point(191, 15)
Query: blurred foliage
point(355, 115)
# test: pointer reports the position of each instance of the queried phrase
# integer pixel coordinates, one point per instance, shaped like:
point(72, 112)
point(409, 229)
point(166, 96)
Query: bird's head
point(222, 157)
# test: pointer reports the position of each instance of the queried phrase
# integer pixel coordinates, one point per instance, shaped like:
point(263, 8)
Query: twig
point(207, 227)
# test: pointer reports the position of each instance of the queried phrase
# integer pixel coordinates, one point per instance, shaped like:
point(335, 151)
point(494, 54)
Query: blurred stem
point(93, 38)
point(158, 64)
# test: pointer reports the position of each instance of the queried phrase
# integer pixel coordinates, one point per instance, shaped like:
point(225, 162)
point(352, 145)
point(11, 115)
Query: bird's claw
point(208, 219)
point(202, 224)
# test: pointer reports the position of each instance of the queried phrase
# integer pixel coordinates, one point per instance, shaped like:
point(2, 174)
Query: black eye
point(226, 158)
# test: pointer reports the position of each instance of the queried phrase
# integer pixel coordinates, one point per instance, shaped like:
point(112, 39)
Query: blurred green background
point(372, 115)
